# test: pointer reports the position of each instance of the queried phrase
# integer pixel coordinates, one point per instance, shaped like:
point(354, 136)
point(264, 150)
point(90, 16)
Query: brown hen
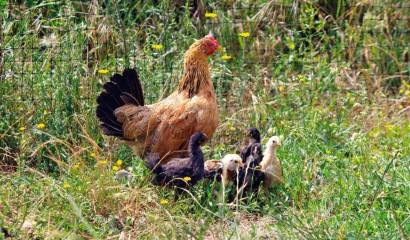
point(163, 128)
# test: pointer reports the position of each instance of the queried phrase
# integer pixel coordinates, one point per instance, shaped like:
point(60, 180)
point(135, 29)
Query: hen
point(166, 126)
point(180, 172)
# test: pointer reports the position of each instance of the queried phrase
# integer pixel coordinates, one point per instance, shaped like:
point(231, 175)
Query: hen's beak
point(219, 48)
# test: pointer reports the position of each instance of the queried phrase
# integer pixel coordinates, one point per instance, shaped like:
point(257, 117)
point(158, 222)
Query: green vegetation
point(332, 78)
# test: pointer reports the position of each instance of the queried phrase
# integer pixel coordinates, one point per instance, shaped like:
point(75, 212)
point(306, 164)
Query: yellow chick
point(270, 165)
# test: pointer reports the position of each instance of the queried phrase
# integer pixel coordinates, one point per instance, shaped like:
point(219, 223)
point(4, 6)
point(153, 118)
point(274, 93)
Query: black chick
point(254, 137)
point(251, 176)
point(180, 172)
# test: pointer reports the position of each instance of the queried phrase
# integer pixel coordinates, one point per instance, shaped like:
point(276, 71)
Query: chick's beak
point(219, 48)
point(279, 144)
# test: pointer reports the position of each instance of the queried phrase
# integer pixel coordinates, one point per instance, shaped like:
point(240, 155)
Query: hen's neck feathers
point(196, 74)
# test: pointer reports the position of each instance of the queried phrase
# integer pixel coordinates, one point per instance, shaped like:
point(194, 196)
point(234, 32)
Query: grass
point(334, 81)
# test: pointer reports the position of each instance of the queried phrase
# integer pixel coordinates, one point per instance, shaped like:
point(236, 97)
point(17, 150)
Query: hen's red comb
point(210, 36)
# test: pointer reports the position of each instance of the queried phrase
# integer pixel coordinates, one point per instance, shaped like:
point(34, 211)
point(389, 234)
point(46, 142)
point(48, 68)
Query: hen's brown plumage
point(166, 126)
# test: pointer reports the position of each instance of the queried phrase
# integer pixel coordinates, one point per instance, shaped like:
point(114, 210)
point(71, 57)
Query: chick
point(255, 157)
point(270, 165)
point(224, 171)
point(213, 168)
point(231, 165)
point(180, 172)
point(254, 137)
point(251, 176)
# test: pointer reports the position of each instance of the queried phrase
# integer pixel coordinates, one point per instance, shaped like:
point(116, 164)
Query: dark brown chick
point(180, 172)
point(250, 176)
point(254, 137)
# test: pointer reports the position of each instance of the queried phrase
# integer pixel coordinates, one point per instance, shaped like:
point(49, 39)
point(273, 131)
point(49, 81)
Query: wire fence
point(57, 52)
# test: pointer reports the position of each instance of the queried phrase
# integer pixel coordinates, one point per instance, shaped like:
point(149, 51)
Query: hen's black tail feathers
point(120, 90)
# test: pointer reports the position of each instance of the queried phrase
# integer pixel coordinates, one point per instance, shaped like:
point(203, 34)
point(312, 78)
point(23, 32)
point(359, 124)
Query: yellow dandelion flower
point(351, 100)
point(157, 46)
point(92, 154)
point(41, 125)
point(328, 152)
point(244, 34)
point(401, 91)
point(103, 71)
point(389, 127)
point(211, 15)
point(76, 166)
point(66, 185)
point(79, 188)
point(22, 186)
point(119, 162)
point(45, 112)
point(358, 173)
point(226, 57)
point(103, 162)
point(292, 46)
point(281, 88)
point(407, 93)
point(164, 201)
point(22, 128)
point(115, 168)
point(302, 79)
point(400, 106)
point(187, 179)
